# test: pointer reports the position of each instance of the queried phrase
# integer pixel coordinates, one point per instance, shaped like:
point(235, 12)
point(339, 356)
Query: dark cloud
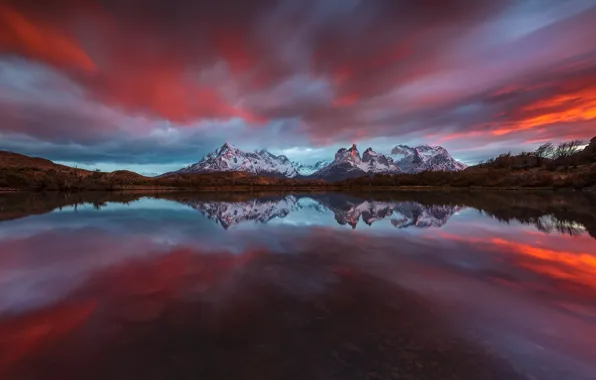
point(308, 72)
point(148, 56)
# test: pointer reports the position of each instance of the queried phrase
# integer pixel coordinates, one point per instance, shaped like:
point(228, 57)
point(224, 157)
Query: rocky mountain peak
point(308, 169)
point(226, 148)
point(347, 163)
point(424, 158)
point(351, 154)
point(368, 155)
point(229, 158)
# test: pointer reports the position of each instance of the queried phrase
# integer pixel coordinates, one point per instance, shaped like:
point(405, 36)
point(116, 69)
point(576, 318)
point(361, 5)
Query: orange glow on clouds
point(561, 108)
point(20, 34)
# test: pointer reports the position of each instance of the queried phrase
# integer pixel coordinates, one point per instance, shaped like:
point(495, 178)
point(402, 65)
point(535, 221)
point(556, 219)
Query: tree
point(565, 150)
point(568, 148)
point(544, 151)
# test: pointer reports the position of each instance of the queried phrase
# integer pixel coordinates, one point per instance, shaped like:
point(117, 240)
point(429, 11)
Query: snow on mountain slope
point(423, 158)
point(347, 164)
point(229, 158)
point(306, 169)
point(378, 163)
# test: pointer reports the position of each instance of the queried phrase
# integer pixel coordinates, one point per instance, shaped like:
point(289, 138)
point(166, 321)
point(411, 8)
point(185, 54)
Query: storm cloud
point(164, 82)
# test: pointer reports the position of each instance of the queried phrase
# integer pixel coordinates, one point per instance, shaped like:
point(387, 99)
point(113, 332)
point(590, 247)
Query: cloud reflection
point(129, 276)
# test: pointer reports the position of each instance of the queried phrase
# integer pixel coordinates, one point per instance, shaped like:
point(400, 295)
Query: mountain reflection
point(408, 285)
point(346, 210)
point(565, 213)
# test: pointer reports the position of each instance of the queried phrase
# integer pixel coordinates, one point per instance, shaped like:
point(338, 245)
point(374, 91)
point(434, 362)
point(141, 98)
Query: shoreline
point(265, 188)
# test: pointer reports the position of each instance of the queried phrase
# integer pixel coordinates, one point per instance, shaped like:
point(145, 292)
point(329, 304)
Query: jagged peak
point(282, 157)
point(265, 152)
point(369, 154)
point(430, 147)
point(400, 148)
point(226, 147)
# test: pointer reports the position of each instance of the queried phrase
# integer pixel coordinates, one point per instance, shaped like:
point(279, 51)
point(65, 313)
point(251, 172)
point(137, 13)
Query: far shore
point(301, 189)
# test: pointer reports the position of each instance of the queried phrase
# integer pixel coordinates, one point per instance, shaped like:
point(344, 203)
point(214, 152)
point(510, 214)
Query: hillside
point(18, 171)
point(563, 167)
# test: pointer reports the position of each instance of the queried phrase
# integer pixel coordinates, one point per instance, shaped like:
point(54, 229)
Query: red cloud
point(27, 37)
point(152, 66)
point(563, 108)
point(346, 100)
point(394, 66)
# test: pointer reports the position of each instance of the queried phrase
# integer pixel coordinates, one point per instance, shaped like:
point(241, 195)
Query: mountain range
point(347, 163)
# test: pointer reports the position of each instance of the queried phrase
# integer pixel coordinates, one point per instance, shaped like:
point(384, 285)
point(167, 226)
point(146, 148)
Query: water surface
point(426, 285)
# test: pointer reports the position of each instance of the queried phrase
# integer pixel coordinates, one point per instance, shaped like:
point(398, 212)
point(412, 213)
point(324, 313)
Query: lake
point(406, 285)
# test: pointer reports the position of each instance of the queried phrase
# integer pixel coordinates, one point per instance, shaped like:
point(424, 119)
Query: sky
point(154, 85)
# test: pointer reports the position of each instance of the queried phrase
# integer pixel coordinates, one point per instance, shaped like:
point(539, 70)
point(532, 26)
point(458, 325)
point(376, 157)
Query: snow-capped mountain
point(306, 169)
point(378, 163)
point(423, 158)
point(349, 164)
point(229, 158)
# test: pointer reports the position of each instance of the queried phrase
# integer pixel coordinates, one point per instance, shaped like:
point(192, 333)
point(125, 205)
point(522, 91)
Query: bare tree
point(544, 151)
point(567, 149)
point(565, 153)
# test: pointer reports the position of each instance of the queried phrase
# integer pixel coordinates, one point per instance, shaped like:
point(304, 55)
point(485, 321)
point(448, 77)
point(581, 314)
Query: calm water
point(303, 286)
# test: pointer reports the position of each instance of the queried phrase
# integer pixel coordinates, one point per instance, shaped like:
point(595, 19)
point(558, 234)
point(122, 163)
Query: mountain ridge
point(347, 163)
point(228, 158)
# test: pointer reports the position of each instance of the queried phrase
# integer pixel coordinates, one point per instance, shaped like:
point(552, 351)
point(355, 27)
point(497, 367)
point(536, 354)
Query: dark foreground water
point(313, 286)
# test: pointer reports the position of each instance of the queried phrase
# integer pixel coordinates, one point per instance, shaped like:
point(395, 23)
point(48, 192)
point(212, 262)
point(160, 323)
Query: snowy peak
point(352, 155)
point(229, 158)
point(309, 169)
point(403, 159)
point(378, 163)
point(424, 158)
point(368, 155)
point(347, 162)
point(226, 148)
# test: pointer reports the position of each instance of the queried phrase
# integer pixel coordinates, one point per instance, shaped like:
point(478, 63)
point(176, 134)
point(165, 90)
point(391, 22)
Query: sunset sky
point(152, 85)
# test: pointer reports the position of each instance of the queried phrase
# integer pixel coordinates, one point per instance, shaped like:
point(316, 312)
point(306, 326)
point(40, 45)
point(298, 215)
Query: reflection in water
point(331, 286)
point(346, 210)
